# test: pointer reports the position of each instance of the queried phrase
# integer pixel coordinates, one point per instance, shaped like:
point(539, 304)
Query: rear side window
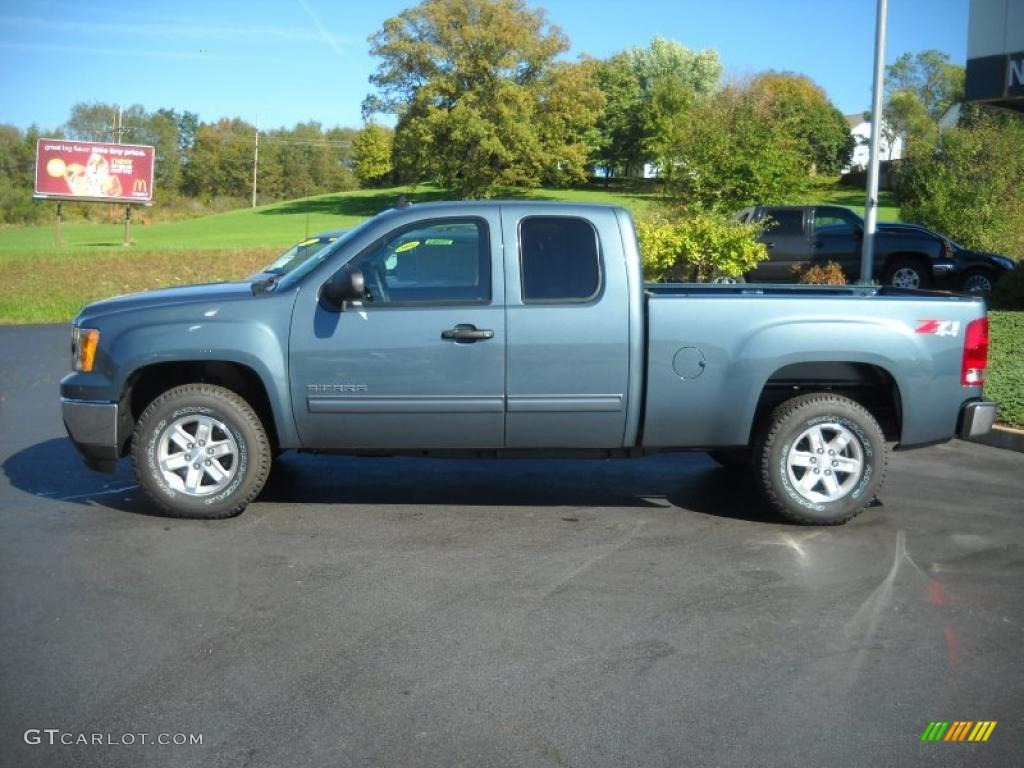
point(784, 221)
point(559, 258)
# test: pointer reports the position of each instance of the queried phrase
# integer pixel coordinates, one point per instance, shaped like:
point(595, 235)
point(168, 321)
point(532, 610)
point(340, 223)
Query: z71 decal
point(939, 327)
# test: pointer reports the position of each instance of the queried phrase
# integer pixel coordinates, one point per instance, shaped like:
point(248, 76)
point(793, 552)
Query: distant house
point(890, 147)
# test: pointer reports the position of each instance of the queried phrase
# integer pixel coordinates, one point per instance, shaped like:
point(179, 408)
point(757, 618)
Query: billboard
point(89, 170)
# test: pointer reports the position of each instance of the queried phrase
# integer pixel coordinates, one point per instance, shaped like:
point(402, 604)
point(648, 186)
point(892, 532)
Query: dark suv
point(906, 255)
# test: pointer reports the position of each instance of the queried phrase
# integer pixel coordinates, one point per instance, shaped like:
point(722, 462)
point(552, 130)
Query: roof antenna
point(402, 202)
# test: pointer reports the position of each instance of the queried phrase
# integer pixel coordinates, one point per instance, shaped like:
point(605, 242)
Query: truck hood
point(211, 293)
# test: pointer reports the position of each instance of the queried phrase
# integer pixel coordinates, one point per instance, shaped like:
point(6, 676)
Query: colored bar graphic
point(982, 730)
point(958, 730)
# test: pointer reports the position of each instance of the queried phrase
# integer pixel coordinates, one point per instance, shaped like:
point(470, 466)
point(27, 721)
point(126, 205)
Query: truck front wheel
point(200, 450)
point(822, 458)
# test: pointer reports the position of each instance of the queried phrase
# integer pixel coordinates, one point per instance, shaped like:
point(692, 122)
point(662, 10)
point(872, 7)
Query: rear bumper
point(93, 428)
point(977, 418)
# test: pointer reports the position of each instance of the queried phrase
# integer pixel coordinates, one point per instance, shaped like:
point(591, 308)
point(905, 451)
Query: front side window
point(559, 258)
point(438, 262)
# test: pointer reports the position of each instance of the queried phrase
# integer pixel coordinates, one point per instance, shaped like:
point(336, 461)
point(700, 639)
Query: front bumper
point(93, 428)
point(977, 418)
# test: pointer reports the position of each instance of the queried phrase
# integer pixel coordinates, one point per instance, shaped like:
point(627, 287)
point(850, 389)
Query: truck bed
point(709, 361)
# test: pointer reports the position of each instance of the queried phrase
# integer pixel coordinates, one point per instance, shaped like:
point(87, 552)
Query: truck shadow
point(684, 482)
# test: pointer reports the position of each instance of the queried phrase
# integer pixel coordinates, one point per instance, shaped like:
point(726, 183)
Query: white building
point(889, 147)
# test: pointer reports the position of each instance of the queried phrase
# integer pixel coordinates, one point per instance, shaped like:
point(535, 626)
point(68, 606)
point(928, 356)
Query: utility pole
point(255, 160)
point(867, 253)
point(118, 134)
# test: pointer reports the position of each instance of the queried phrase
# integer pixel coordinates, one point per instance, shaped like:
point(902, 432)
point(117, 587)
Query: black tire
point(978, 282)
point(786, 431)
point(904, 267)
point(250, 461)
point(732, 458)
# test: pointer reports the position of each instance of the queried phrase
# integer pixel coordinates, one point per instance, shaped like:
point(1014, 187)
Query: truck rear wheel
point(821, 459)
point(201, 451)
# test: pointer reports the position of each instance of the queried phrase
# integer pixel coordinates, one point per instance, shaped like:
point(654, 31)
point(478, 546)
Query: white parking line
point(97, 493)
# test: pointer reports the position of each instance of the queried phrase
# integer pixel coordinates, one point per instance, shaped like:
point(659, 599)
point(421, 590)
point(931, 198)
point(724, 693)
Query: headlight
point(1004, 262)
point(84, 342)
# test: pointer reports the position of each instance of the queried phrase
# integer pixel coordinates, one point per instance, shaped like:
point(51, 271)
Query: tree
point(161, 131)
point(727, 151)
point(17, 170)
point(969, 186)
point(931, 77)
point(220, 162)
point(905, 116)
point(921, 87)
point(372, 155)
point(803, 110)
point(620, 129)
point(645, 88)
point(480, 98)
point(91, 122)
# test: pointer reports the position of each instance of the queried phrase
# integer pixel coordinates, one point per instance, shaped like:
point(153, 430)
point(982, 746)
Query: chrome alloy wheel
point(197, 455)
point(825, 462)
point(906, 277)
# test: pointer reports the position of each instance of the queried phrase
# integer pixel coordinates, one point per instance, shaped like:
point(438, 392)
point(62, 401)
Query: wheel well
point(148, 383)
point(870, 385)
point(922, 258)
point(977, 269)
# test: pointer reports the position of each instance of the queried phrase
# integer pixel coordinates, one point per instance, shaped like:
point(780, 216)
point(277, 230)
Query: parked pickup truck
point(906, 255)
point(507, 329)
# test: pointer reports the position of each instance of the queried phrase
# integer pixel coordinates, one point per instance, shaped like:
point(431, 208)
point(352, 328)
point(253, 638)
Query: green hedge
point(1005, 379)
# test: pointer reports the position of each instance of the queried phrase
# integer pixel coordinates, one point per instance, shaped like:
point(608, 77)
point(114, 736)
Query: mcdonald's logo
point(140, 185)
point(958, 730)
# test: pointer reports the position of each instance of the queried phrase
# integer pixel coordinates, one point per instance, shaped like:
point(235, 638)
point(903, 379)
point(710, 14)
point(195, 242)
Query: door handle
point(769, 246)
point(468, 333)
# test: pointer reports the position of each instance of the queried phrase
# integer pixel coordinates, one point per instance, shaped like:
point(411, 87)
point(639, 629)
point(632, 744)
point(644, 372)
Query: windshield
point(313, 258)
point(297, 254)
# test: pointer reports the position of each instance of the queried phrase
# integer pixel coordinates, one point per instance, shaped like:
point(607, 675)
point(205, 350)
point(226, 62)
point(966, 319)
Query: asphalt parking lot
point(400, 612)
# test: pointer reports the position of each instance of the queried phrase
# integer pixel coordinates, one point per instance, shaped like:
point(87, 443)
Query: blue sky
point(297, 60)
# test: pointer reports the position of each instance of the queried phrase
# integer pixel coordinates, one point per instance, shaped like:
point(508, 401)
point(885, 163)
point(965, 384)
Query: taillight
point(972, 372)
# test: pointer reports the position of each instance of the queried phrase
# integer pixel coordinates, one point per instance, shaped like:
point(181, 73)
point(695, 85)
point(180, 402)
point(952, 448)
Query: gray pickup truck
point(507, 329)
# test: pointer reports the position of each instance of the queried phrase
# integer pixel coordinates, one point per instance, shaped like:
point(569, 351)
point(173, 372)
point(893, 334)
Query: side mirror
point(345, 285)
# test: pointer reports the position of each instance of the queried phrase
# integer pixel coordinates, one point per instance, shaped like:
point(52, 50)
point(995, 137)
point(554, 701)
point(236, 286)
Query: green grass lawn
point(270, 226)
point(888, 209)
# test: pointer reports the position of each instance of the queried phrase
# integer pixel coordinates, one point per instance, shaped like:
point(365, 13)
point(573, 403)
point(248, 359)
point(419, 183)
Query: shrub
point(828, 274)
point(1004, 380)
point(694, 248)
point(1009, 291)
point(969, 187)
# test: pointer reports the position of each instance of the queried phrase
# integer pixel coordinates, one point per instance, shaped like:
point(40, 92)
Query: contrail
point(322, 30)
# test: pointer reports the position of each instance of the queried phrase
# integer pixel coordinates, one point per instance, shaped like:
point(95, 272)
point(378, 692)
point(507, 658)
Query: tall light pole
point(255, 160)
point(867, 253)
